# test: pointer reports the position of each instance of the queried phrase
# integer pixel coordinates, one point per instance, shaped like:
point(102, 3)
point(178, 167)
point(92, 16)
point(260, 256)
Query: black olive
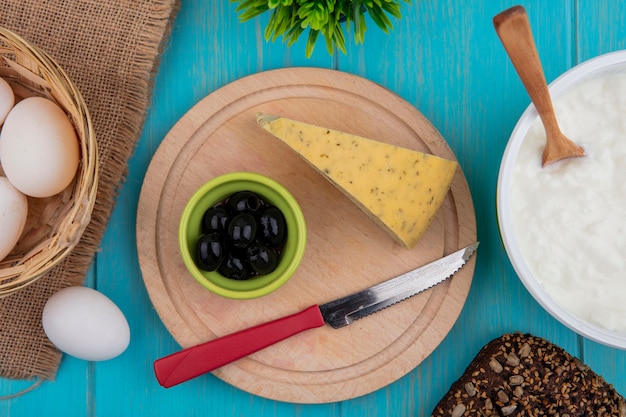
point(244, 201)
point(262, 259)
point(234, 267)
point(209, 252)
point(215, 220)
point(242, 230)
point(272, 226)
point(243, 237)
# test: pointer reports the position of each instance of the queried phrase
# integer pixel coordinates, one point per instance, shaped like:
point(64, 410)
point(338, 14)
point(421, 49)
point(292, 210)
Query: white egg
point(7, 99)
point(86, 324)
point(39, 148)
point(13, 214)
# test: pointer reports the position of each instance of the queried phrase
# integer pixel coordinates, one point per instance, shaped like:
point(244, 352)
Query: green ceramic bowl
point(217, 190)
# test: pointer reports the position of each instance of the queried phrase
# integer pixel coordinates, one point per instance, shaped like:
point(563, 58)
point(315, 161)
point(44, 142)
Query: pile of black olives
point(242, 237)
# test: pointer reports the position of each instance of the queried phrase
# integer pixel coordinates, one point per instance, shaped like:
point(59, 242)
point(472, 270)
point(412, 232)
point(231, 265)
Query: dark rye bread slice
point(522, 375)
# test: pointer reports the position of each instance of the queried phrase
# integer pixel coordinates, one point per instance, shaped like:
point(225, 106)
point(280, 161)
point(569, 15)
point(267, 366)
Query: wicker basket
point(55, 224)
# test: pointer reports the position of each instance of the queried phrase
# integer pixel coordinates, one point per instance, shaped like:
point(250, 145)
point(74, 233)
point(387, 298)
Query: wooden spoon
point(513, 28)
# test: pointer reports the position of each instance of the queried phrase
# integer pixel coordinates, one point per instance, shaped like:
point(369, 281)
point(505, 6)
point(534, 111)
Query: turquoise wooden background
point(444, 58)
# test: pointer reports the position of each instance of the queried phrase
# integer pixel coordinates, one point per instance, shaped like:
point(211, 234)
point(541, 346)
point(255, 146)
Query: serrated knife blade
point(344, 311)
point(189, 363)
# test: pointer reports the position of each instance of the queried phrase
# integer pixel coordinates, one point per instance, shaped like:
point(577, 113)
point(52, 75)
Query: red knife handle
point(197, 360)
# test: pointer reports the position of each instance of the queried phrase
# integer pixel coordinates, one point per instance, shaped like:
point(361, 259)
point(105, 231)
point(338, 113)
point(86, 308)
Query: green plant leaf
point(290, 18)
point(284, 21)
point(359, 29)
point(339, 39)
point(310, 44)
point(392, 8)
point(270, 32)
point(249, 9)
point(251, 13)
point(293, 34)
point(380, 18)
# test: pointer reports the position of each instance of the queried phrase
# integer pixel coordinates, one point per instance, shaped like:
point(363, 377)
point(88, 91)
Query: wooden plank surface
point(444, 58)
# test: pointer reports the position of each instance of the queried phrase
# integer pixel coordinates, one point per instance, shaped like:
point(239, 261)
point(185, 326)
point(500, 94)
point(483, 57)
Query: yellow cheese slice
point(399, 188)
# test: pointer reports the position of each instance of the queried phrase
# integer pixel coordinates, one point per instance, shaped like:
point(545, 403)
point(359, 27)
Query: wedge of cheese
point(399, 188)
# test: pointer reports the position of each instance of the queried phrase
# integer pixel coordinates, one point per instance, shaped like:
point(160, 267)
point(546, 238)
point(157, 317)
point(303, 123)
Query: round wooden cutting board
point(346, 251)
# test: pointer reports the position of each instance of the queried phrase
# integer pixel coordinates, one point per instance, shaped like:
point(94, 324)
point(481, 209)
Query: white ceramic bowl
point(602, 65)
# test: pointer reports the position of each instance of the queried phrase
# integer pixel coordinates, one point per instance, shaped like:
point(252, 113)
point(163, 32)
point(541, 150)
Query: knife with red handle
point(197, 360)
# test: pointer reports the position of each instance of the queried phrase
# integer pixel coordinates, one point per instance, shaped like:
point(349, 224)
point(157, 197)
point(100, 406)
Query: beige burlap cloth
point(110, 49)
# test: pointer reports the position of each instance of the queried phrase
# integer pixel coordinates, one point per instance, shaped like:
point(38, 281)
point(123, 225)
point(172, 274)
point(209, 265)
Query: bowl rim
point(605, 63)
point(296, 243)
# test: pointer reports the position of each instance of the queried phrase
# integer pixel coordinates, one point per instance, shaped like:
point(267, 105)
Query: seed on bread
point(524, 350)
point(470, 389)
point(516, 380)
point(495, 366)
point(508, 410)
point(458, 411)
point(512, 359)
point(503, 398)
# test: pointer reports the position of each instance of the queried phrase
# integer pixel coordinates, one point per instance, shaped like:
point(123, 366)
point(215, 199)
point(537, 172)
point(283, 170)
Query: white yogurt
point(570, 217)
